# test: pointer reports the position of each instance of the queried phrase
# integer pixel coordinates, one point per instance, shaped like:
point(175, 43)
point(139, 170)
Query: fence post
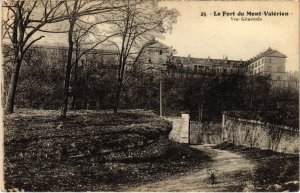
point(185, 128)
point(223, 125)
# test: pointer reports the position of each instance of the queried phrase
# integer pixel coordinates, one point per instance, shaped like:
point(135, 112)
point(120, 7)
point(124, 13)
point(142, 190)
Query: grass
point(90, 150)
point(272, 172)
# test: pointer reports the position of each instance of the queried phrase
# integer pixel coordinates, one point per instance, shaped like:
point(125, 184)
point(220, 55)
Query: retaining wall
point(252, 133)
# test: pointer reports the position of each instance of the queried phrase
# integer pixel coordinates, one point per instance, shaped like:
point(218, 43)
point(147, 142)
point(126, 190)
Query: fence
point(205, 133)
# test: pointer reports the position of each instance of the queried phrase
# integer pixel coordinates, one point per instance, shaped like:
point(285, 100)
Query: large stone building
point(208, 65)
point(158, 56)
point(157, 53)
point(270, 62)
point(57, 55)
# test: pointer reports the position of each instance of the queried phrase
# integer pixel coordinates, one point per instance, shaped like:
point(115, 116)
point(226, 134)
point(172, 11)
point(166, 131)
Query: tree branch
point(31, 43)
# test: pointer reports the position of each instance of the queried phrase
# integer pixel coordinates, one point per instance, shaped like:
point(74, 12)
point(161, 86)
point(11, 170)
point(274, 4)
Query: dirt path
point(233, 171)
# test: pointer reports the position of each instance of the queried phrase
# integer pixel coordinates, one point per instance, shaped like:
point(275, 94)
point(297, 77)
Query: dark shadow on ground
point(273, 171)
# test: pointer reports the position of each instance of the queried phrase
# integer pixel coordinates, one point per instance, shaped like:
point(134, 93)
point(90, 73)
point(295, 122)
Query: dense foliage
point(205, 96)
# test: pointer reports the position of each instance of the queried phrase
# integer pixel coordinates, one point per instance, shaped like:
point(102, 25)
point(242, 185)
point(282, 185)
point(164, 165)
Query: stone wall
point(252, 133)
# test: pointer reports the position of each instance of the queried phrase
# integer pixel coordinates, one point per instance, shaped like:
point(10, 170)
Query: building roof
point(159, 45)
point(63, 47)
point(268, 53)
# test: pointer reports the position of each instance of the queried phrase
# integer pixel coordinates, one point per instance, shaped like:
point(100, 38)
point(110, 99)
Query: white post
point(184, 133)
point(223, 125)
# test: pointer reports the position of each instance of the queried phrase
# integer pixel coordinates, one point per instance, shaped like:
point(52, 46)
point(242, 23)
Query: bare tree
point(86, 38)
point(138, 22)
point(77, 11)
point(21, 21)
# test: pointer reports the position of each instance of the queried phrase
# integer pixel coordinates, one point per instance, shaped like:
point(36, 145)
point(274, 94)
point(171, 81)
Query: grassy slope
point(90, 151)
point(272, 171)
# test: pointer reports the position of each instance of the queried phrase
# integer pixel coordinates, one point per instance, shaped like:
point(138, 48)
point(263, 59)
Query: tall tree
point(21, 21)
point(138, 22)
point(77, 11)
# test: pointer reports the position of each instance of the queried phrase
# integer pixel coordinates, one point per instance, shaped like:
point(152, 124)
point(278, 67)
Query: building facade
point(209, 65)
point(158, 56)
point(270, 62)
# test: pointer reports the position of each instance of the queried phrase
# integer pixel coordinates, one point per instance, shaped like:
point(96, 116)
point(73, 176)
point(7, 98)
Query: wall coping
point(293, 129)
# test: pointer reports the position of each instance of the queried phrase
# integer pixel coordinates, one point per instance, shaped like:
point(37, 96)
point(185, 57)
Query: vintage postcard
point(149, 96)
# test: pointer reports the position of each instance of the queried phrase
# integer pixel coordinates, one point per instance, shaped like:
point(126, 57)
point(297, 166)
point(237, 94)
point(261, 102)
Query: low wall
point(252, 133)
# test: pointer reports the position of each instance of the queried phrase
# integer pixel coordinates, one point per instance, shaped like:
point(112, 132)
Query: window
point(195, 68)
point(262, 60)
point(278, 69)
point(149, 60)
point(160, 52)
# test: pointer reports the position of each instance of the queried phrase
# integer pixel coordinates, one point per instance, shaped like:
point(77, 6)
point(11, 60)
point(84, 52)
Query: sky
point(219, 36)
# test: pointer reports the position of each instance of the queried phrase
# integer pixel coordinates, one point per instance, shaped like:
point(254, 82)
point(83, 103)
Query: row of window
point(202, 68)
point(256, 71)
point(257, 63)
point(269, 69)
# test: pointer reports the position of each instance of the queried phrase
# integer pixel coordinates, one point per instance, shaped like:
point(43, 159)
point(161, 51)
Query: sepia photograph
point(149, 96)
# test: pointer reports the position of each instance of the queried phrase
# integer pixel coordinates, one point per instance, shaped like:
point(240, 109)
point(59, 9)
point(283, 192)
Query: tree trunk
point(10, 100)
point(66, 90)
point(72, 22)
point(68, 73)
point(160, 99)
point(17, 36)
point(75, 86)
point(86, 98)
point(118, 92)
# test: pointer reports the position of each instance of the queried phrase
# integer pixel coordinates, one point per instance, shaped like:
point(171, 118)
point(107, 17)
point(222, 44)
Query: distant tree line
point(205, 96)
